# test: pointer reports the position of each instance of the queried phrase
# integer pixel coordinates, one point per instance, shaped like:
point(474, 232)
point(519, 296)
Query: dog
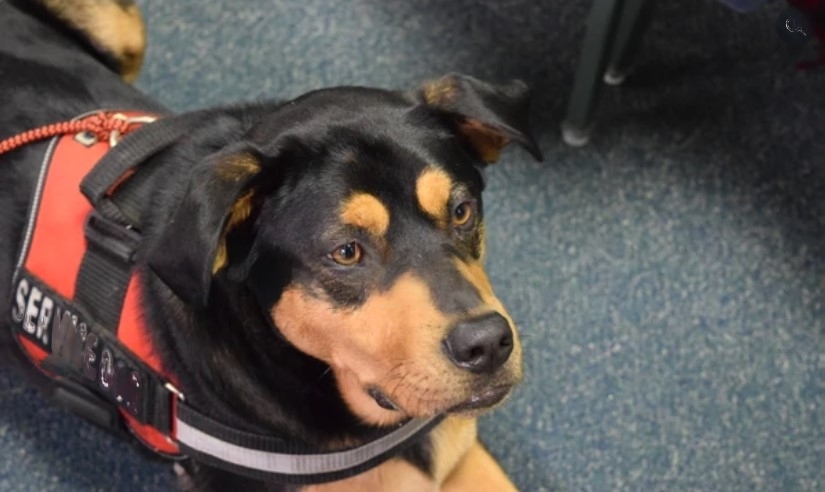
point(307, 269)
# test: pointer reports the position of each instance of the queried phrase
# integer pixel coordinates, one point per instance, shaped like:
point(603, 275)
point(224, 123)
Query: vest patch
point(75, 351)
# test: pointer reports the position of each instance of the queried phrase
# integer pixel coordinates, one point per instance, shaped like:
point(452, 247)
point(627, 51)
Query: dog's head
point(356, 218)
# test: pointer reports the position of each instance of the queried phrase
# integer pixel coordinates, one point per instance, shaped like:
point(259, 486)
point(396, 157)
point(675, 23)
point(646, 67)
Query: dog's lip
point(478, 401)
point(381, 399)
point(484, 399)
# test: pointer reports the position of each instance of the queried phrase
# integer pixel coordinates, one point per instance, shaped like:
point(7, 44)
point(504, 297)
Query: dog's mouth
point(478, 401)
point(381, 399)
point(482, 400)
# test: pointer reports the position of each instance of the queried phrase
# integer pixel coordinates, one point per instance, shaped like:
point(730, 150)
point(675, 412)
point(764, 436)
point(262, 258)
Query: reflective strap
point(298, 464)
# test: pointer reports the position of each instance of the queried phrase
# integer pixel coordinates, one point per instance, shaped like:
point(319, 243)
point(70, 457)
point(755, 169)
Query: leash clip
point(114, 135)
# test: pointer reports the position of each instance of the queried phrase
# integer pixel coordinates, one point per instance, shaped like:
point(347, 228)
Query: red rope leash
point(101, 125)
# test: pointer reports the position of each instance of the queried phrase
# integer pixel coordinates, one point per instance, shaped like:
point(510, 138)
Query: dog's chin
point(481, 402)
point(475, 404)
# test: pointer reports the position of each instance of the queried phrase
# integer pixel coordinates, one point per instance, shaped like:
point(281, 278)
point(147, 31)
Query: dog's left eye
point(347, 254)
point(463, 214)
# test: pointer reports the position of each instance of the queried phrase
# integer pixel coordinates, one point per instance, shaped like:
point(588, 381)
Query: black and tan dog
point(310, 268)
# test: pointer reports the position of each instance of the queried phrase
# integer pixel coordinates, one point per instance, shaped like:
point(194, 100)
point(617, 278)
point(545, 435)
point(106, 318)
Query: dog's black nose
point(480, 345)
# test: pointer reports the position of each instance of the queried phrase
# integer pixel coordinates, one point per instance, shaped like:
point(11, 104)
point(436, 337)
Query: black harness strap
point(106, 269)
point(112, 229)
point(127, 155)
point(117, 193)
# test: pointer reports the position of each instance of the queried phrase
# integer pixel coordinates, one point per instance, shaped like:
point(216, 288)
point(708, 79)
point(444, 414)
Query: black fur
point(213, 331)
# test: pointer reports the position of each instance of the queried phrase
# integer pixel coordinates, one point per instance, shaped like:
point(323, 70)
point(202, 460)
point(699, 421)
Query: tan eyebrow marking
point(367, 212)
point(432, 189)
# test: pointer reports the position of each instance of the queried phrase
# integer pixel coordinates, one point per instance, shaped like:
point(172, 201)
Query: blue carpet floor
point(668, 278)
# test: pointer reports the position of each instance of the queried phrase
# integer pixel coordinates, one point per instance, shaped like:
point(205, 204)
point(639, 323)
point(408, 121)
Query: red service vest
point(45, 284)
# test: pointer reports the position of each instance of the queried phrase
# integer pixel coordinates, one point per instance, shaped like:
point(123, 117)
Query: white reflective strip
point(35, 206)
point(294, 464)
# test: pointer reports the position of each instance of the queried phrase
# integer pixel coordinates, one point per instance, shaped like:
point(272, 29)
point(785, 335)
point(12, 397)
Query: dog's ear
point(220, 196)
point(487, 117)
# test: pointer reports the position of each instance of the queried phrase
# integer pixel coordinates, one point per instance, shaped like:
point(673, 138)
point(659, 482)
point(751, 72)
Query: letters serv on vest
point(76, 352)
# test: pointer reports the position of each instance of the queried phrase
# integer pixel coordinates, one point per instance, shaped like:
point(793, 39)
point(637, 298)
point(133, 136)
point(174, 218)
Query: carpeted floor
point(668, 278)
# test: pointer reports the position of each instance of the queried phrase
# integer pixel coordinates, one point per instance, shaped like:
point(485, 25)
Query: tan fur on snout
point(393, 342)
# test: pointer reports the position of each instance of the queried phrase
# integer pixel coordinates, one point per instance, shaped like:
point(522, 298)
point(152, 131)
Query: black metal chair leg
point(632, 26)
point(602, 25)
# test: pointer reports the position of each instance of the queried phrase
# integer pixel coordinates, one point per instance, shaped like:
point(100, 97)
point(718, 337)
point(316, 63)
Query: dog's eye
point(463, 214)
point(347, 254)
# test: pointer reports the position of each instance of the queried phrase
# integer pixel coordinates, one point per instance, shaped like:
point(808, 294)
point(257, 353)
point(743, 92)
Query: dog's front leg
point(478, 471)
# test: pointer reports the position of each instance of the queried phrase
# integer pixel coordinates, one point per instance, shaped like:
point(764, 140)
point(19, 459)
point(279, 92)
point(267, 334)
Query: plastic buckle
point(88, 405)
point(119, 240)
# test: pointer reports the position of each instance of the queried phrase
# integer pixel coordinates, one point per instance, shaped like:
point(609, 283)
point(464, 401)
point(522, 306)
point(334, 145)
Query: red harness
point(47, 273)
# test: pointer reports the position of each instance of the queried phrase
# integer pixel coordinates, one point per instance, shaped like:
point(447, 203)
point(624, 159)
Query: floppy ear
point(191, 248)
point(488, 117)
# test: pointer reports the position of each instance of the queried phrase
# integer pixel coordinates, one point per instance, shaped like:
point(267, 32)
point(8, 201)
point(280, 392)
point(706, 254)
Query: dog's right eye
point(347, 254)
point(463, 214)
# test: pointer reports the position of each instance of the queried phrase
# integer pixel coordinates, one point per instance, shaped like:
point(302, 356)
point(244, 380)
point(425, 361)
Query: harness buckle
point(119, 240)
point(90, 406)
point(114, 135)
